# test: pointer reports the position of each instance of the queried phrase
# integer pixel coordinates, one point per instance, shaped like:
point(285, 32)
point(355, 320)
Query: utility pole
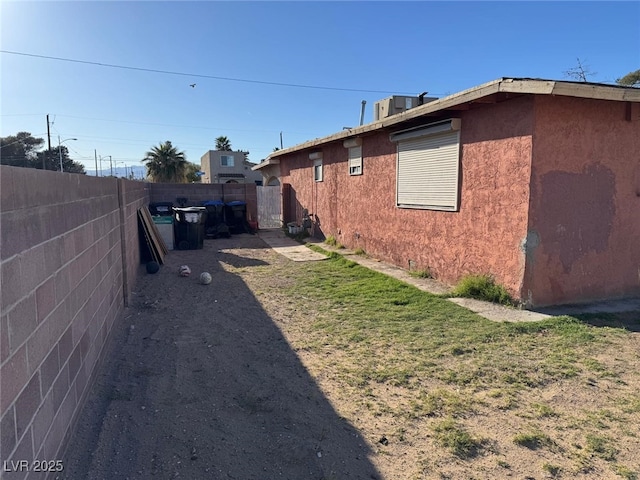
point(46, 157)
point(95, 153)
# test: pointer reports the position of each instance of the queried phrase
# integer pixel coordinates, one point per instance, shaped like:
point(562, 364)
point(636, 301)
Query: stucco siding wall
point(210, 164)
point(584, 225)
point(62, 290)
point(485, 236)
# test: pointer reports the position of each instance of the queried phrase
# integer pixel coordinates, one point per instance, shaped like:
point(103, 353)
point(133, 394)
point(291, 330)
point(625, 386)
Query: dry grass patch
point(455, 394)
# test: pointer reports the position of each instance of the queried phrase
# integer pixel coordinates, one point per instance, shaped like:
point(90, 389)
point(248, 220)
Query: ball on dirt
point(205, 278)
point(152, 267)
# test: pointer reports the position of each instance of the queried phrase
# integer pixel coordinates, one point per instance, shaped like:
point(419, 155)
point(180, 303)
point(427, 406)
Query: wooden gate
point(269, 207)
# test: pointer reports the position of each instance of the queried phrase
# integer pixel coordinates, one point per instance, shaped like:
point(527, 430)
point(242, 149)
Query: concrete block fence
point(198, 193)
point(69, 259)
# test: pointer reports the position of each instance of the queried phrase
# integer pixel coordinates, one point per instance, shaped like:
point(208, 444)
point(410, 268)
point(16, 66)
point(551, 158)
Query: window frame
point(355, 160)
point(317, 170)
point(226, 157)
point(428, 166)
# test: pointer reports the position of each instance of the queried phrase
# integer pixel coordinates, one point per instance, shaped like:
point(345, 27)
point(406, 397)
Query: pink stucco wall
point(484, 236)
point(585, 202)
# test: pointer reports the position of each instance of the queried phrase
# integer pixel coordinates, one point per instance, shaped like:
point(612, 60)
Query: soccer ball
point(152, 267)
point(205, 278)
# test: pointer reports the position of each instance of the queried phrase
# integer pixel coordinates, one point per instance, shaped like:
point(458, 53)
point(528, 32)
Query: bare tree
point(581, 72)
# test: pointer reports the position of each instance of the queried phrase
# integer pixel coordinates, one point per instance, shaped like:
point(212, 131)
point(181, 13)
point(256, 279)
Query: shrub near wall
point(62, 276)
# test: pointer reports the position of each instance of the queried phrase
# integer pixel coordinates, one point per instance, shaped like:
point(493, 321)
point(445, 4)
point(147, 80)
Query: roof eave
point(518, 86)
point(265, 163)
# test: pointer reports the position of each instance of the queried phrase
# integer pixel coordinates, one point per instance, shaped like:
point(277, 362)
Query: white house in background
point(221, 166)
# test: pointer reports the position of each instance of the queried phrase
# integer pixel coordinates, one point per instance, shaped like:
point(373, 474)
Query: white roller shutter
point(355, 160)
point(428, 170)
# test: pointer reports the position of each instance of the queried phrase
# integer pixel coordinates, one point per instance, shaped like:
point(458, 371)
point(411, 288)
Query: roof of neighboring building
point(491, 92)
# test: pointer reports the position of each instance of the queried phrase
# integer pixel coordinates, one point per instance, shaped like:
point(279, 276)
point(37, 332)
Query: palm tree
point(165, 164)
point(223, 143)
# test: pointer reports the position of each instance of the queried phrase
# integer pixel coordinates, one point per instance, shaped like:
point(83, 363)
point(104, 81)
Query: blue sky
point(355, 50)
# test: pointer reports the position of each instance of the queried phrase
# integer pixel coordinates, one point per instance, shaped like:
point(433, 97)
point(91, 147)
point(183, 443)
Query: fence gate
point(269, 207)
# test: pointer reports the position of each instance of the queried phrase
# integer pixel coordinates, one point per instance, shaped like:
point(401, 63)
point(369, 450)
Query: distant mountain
point(139, 172)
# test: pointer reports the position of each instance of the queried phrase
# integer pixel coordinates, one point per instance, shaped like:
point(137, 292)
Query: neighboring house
point(228, 167)
point(535, 182)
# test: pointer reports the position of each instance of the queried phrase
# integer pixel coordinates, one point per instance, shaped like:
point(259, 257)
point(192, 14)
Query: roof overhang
point(266, 163)
point(491, 92)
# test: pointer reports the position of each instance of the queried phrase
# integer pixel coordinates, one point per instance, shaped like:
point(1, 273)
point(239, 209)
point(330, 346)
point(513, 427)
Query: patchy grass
point(455, 438)
point(422, 336)
point(601, 446)
point(625, 472)
point(553, 470)
point(331, 240)
point(533, 440)
point(482, 287)
point(390, 354)
point(422, 273)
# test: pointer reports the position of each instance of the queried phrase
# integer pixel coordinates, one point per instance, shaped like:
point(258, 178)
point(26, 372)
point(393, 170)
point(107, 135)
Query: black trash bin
point(236, 216)
point(215, 225)
point(189, 223)
point(162, 209)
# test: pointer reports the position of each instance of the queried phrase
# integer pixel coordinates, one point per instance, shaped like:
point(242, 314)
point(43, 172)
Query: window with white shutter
point(317, 170)
point(428, 166)
point(355, 160)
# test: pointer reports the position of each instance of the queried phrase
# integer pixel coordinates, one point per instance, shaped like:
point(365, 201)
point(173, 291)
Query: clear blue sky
point(370, 49)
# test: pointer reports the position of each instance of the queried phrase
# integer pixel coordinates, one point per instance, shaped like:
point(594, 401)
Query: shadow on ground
point(626, 320)
point(199, 383)
point(623, 313)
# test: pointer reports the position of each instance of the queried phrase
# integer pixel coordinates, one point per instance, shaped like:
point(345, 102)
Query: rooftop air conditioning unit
point(396, 104)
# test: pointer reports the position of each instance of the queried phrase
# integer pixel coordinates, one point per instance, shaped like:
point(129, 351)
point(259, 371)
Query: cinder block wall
point(196, 193)
point(69, 247)
point(133, 195)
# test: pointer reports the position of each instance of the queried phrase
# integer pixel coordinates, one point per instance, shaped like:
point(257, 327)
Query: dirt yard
point(209, 382)
point(200, 383)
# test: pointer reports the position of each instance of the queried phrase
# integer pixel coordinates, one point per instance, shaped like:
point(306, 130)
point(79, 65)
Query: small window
point(355, 160)
point(317, 170)
point(226, 160)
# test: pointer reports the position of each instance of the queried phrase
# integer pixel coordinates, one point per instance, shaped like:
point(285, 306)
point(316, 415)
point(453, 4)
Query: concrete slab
point(288, 247)
point(499, 313)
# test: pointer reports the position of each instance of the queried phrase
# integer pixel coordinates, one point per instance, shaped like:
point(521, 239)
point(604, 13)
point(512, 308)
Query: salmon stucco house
point(535, 182)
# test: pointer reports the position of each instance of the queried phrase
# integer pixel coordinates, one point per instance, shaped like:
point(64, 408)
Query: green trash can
point(164, 225)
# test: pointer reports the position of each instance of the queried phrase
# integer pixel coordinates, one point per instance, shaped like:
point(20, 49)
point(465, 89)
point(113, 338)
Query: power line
point(197, 75)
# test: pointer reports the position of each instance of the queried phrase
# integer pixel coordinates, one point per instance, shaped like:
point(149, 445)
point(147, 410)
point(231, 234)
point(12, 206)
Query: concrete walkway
point(290, 248)
point(284, 245)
